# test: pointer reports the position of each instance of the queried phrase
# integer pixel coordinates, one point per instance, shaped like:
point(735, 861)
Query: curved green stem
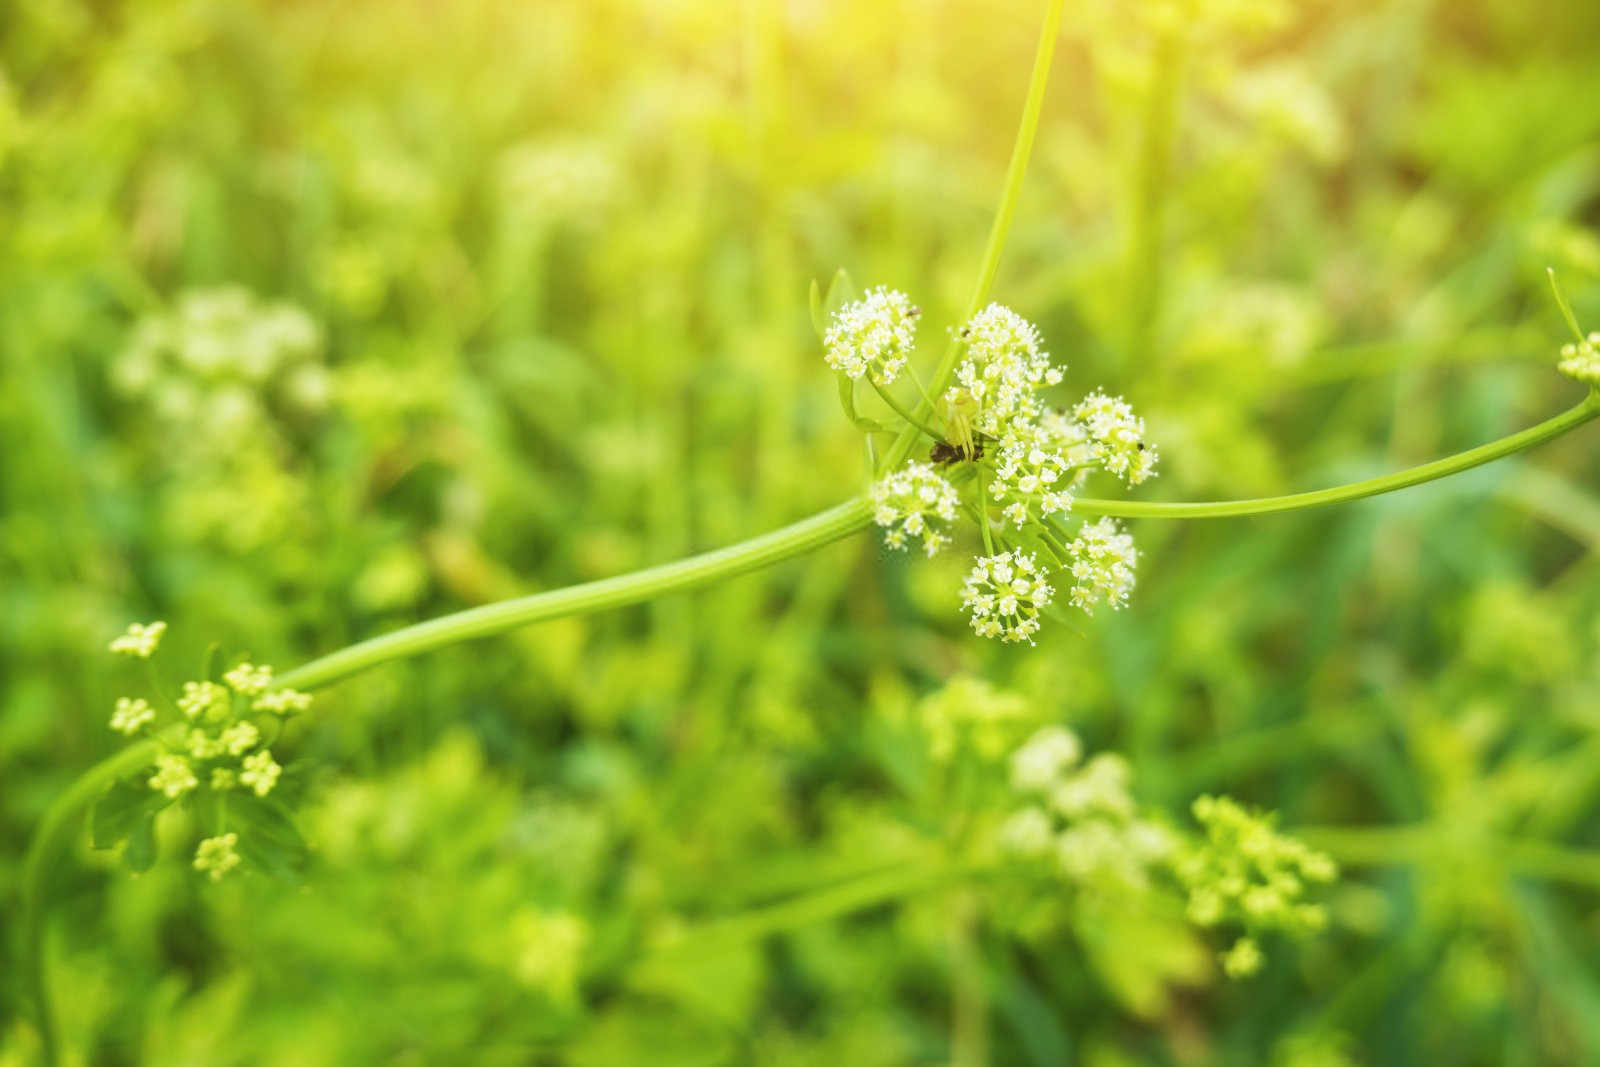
point(899, 409)
point(55, 833)
point(1021, 149)
point(1388, 483)
point(690, 573)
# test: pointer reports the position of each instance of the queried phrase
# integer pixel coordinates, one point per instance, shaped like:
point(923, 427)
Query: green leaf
point(268, 837)
point(819, 318)
point(847, 401)
point(841, 291)
point(140, 855)
point(213, 664)
point(120, 810)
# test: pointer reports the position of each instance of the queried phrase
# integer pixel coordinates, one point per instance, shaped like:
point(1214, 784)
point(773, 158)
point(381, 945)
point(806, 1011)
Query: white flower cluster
point(873, 336)
point(1038, 463)
point(998, 381)
point(1118, 436)
point(1016, 464)
point(1082, 817)
point(1101, 559)
point(911, 502)
point(1581, 359)
point(1004, 593)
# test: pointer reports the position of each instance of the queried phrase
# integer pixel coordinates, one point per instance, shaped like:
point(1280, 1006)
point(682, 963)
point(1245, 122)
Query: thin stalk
point(1388, 483)
point(983, 512)
point(899, 409)
point(652, 582)
point(1021, 148)
point(55, 834)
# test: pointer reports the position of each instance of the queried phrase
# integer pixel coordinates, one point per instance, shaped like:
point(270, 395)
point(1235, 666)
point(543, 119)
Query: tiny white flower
point(131, 714)
point(140, 640)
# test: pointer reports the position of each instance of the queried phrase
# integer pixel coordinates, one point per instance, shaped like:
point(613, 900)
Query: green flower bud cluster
point(1244, 872)
point(213, 739)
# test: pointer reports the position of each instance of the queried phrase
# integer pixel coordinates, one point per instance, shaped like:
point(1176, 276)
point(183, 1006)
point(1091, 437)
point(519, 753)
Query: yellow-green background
point(559, 252)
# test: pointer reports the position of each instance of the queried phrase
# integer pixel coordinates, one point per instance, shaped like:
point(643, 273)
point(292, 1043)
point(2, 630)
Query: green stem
point(1021, 148)
point(55, 834)
point(1427, 472)
point(888, 398)
point(635, 588)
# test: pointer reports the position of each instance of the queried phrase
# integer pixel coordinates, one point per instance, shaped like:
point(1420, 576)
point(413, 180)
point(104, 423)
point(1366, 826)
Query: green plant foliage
point(321, 320)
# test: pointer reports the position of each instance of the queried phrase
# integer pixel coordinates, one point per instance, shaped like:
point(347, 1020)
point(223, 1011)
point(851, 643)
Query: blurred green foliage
point(317, 319)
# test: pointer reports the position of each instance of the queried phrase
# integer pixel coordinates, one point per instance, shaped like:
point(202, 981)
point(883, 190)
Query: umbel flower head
point(1003, 593)
point(212, 740)
point(1005, 455)
point(913, 502)
point(873, 336)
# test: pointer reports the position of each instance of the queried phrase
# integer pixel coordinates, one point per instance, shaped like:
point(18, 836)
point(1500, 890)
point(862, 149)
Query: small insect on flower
point(944, 453)
point(872, 336)
point(1004, 593)
point(140, 640)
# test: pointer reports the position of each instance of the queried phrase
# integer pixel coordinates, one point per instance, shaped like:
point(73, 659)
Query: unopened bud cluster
point(1007, 457)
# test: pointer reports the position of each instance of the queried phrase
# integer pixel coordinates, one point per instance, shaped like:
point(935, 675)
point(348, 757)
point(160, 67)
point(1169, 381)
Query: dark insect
point(944, 452)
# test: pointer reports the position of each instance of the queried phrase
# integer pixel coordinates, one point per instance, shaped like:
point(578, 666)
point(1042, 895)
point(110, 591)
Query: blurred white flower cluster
point(1081, 815)
point(1079, 819)
point(1003, 455)
point(231, 381)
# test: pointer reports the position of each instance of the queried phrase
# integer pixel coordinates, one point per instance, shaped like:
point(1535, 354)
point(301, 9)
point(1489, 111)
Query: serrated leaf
point(119, 810)
point(268, 837)
point(847, 401)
